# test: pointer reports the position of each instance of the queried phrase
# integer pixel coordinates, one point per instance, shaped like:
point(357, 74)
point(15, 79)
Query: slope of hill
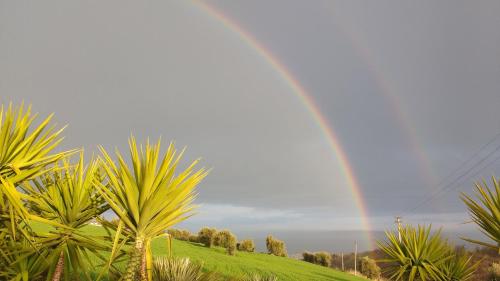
point(215, 259)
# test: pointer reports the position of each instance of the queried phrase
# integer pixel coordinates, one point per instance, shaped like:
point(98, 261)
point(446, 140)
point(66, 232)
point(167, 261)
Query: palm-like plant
point(68, 196)
point(18, 261)
point(459, 267)
point(24, 152)
point(485, 212)
point(180, 269)
point(148, 198)
point(418, 256)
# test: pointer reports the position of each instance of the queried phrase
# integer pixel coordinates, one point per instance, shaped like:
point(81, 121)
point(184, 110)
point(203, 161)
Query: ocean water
point(298, 241)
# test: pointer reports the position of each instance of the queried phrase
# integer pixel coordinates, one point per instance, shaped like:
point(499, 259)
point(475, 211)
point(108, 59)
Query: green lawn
point(216, 259)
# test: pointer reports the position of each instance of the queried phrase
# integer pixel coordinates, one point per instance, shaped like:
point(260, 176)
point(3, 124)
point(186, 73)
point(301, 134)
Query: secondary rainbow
point(387, 90)
point(297, 88)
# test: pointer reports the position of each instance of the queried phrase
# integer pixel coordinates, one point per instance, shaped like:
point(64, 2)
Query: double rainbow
point(309, 103)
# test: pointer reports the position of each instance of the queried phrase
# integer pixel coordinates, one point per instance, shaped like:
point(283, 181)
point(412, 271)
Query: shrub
point(494, 271)
point(227, 240)
point(175, 233)
point(193, 238)
point(179, 234)
point(369, 268)
point(276, 247)
point(308, 257)
point(246, 246)
point(206, 236)
point(231, 245)
point(323, 258)
point(218, 237)
point(185, 235)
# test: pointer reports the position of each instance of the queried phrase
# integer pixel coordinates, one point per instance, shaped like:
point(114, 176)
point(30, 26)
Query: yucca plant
point(19, 262)
point(485, 212)
point(419, 255)
point(25, 153)
point(179, 269)
point(67, 196)
point(459, 268)
point(148, 197)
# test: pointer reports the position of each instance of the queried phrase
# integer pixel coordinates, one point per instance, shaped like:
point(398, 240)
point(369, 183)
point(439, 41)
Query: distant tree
point(369, 268)
point(323, 259)
point(179, 234)
point(308, 257)
point(276, 247)
point(194, 238)
point(246, 246)
point(206, 236)
point(227, 240)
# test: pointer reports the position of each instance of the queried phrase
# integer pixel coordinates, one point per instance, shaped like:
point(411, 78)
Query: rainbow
point(306, 99)
point(387, 90)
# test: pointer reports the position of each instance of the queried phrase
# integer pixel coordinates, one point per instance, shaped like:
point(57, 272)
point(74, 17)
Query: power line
point(480, 170)
point(473, 175)
point(436, 193)
point(470, 158)
point(449, 186)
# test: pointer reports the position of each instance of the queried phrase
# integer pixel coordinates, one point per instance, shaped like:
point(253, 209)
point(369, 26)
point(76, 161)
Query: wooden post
point(342, 257)
point(355, 257)
point(398, 222)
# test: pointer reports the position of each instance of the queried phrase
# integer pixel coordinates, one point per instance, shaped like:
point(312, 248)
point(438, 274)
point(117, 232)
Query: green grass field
point(216, 259)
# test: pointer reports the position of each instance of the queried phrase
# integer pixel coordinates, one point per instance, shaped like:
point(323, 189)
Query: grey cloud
point(171, 69)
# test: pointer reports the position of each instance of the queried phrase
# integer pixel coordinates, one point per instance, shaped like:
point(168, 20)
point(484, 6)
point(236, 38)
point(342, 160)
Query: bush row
point(179, 234)
point(369, 267)
point(210, 237)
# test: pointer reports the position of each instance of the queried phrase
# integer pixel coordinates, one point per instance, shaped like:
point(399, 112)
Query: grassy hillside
point(216, 259)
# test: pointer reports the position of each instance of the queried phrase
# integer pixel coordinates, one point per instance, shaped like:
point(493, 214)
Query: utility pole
point(342, 257)
point(355, 257)
point(398, 222)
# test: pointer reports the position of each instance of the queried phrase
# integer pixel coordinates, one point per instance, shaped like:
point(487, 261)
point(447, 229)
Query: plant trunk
point(59, 268)
point(144, 276)
point(136, 258)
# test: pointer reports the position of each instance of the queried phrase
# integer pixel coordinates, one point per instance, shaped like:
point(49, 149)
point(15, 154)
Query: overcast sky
point(412, 89)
